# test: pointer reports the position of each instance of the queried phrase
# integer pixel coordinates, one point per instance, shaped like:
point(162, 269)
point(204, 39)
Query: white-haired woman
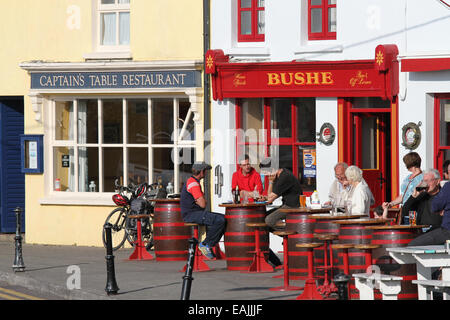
point(360, 194)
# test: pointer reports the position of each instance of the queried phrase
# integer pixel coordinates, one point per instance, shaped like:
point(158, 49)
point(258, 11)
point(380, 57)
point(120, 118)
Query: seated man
point(282, 183)
point(247, 179)
point(440, 204)
point(420, 201)
point(193, 209)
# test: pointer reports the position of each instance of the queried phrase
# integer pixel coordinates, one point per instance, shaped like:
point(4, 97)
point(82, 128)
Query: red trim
point(427, 64)
point(325, 34)
point(169, 224)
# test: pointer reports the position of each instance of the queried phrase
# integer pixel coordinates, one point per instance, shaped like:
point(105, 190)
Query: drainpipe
point(206, 102)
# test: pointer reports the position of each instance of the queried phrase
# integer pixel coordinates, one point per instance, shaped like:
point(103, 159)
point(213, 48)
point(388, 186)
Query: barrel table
point(354, 231)
point(326, 224)
point(391, 237)
point(169, 231)
point(301, 221)
point(240, 238)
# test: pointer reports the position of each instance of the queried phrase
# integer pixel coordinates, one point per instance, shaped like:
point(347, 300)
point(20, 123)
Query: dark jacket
point(422, 205)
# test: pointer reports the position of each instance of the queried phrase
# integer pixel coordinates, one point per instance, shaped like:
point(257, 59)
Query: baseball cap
point(200, 165)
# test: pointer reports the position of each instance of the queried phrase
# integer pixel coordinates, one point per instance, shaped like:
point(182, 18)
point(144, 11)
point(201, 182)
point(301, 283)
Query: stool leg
point(140, 253)
point(286, 286)
point(199, 260)
point(345, 261)
point(328, 286)
point(367, 258)
point(310, 292)
point(259, 263)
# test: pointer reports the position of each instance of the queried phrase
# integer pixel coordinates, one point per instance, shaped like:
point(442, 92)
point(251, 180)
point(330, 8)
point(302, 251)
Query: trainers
point(206, 250)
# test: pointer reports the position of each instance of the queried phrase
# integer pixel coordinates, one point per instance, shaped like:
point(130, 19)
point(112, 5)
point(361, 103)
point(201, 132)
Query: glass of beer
point(302, 199)
point(412, 217)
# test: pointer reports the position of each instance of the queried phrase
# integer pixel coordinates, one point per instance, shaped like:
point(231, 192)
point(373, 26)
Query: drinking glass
point(348, 207)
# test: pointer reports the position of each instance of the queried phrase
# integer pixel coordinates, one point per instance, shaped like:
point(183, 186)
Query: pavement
point(79, 273)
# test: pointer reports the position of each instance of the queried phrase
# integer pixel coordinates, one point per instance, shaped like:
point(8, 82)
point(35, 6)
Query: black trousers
point(215, 224)
point(434, 237)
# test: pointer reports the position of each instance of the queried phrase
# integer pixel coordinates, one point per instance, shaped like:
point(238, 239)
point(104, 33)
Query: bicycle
point(131, 199)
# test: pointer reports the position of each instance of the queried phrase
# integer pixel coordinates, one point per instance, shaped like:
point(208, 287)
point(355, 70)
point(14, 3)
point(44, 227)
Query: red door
point(370, 140)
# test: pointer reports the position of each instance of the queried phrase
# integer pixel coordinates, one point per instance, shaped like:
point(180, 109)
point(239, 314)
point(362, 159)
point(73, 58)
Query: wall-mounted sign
point(65, 161)
point(309, 163)
point(32, 159)
point(326, 134)
point(411, 135)
point(116, 80)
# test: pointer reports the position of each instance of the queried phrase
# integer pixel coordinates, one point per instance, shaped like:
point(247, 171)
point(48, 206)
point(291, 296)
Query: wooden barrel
point(392, 237)
point(239, 238)
point(325, 224)
point(355, 232)
point(303, 224)
point(169, 232)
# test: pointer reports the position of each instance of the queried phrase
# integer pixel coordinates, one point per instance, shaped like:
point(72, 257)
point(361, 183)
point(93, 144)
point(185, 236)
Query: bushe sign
point(116, 80)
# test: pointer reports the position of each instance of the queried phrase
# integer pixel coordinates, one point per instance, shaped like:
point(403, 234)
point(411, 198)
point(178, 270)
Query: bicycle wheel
point(117, 219)
point(146, 229)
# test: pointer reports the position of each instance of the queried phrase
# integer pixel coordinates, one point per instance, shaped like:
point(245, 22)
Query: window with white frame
point(113, 26)
point(95, 141)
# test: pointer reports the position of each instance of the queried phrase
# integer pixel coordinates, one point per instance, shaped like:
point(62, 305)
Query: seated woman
point(360, 194)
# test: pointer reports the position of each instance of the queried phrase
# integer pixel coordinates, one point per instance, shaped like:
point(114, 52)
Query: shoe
point(206, 250)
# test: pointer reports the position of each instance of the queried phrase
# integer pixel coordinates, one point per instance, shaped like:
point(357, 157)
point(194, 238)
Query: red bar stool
point(139, 253)
point(344, 247)
point(310, 292)
point(218, 252)
point(259, 263)
point(199, 259)
point(285, 286)
point(367, 249)
point(328, 286)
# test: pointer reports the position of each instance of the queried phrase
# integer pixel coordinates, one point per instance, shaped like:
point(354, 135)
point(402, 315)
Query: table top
point(363, 221)
point(240, 205)
point(330, 217)
point(420, 249)
point(397, 226)
point(306, 210)
point(166, 200)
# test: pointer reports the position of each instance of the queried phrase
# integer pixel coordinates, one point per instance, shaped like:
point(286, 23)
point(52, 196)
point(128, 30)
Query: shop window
point(121, 149)
point(251, 21)
point(322, 19)
point(113, 23)
point(287, 129)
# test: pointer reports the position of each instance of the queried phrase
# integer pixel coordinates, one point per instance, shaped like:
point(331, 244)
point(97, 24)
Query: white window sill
point(320, 48)
point(80, 198)
point(123, 55)
point(248, 53)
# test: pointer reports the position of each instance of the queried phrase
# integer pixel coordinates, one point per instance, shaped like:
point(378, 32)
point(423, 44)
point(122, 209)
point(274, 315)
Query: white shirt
point(361, 198)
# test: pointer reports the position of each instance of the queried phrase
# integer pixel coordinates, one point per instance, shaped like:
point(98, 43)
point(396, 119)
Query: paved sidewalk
point(52, 269)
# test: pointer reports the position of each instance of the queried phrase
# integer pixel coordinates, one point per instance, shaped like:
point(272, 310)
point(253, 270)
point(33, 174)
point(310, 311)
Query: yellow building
point(115, 88)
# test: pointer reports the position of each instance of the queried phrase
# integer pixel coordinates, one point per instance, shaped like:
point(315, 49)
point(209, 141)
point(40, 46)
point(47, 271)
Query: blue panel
point(12, 180)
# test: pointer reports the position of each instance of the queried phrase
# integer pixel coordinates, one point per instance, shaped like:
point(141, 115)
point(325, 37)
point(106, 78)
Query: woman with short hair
point(360, 194)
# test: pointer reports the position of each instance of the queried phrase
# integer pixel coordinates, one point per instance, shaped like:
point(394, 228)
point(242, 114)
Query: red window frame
point(254, 36)
point(285, 141)
point(438, 148)
point(325, 34)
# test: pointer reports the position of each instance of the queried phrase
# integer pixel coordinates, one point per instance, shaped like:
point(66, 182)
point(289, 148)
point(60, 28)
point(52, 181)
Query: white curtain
point(124, 27)
point(71, 186)
point(108, 30)
point(82, 152)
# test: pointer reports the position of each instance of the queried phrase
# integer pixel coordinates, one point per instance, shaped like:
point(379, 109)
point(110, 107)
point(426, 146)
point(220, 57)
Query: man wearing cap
point(282, 183)
point(193, 209)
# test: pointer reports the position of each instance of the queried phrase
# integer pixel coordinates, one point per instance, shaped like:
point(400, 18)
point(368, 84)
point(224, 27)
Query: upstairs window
point(251, 22)
point(113, 24)
point(322, 19)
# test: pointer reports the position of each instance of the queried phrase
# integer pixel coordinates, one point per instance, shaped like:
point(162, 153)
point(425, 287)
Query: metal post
point(111, 284)
point(187, 278)
point(18, 265)
point(341, 280)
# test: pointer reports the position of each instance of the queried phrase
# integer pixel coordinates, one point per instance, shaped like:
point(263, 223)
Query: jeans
point(214, 222)
point(275, 215)
point(434, 237)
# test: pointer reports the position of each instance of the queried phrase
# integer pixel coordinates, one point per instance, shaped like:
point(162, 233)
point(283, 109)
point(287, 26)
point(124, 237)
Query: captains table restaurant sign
point(116, 80)
point(349, 78)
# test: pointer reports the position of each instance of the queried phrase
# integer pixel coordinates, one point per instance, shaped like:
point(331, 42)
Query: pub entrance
point(369, 131)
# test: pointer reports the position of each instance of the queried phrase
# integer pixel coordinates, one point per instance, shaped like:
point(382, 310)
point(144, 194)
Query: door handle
point(382, 180)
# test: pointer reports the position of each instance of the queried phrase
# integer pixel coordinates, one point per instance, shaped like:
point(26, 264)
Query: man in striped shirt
point(193, 210)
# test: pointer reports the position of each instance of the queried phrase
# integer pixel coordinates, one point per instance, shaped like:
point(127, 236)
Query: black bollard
point(187, 278)
point(341, 280)
point(111, 284)
point(18, 265)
